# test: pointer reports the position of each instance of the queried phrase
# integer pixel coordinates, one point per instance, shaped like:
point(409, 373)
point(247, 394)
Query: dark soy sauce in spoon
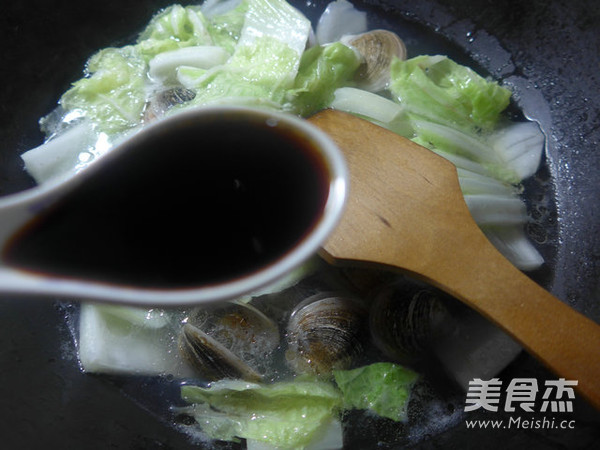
point(187, 205)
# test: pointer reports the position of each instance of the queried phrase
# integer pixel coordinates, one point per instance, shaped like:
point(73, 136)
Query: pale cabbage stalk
point(128, 340)
point(340, 18)
point(57, 157)
point(163, 67)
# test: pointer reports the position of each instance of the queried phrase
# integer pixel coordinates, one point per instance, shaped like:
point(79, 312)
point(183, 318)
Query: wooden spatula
point(406, 212)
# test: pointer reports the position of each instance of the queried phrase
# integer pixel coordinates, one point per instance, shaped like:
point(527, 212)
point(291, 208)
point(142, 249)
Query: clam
point(164, 100)
point(378, 48)
point(405, 321)
point(228, 340)
point(324, 333)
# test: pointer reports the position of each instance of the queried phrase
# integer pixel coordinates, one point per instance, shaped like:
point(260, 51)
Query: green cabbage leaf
point(283, 414)
point(383, 388)
point(265, 60)
point(173, 28)
point(323, 69)
point(225, 27)
point(113, 94)
point(443, 91)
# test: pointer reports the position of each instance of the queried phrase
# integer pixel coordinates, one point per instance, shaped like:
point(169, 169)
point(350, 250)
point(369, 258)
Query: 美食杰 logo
point(521, 395)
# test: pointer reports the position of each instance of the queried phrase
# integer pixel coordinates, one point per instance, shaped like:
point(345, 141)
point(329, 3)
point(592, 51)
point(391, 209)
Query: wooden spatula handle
point(406, 211)
point(567, 342)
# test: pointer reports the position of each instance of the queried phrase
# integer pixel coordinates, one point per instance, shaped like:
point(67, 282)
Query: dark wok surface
point(547, 50)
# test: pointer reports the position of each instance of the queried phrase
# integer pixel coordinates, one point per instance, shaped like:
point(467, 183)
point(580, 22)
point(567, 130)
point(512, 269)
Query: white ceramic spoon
point(318, 154)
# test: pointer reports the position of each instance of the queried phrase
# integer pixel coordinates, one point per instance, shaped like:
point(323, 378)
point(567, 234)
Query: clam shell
point(325, 333)
point(228, 340)
point(377, 48)
point(241, 327)
point(210, 358)
point(405, 322)
point(164, 100)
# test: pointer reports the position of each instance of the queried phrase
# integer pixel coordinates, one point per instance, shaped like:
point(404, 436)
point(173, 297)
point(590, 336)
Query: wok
point(547, 51)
